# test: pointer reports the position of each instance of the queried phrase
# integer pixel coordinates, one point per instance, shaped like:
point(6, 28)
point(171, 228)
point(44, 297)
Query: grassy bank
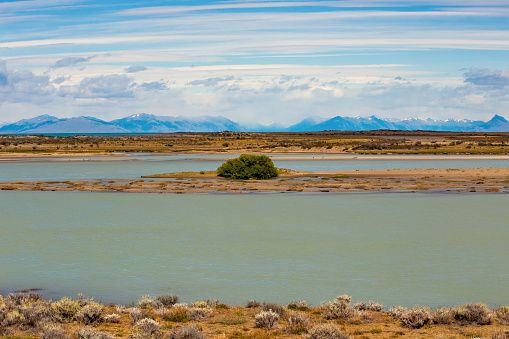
point(28, 315)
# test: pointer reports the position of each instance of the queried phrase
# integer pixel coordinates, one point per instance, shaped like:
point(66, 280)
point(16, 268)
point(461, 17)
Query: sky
point(255, 61)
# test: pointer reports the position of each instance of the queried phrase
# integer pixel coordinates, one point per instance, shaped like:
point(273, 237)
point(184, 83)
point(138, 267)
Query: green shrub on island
point(248, 167)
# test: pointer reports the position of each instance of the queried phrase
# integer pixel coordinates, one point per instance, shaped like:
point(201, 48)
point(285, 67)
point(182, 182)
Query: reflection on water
point(394, 248)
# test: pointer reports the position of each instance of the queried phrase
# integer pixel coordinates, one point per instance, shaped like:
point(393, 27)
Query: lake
point(395, 248)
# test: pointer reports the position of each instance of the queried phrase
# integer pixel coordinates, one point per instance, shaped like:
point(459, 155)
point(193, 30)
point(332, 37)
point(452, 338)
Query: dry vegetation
point(373, 142)
point(28, 315)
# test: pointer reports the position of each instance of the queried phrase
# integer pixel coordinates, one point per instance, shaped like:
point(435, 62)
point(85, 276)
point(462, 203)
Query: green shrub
point(65, 309)
point(248, 167)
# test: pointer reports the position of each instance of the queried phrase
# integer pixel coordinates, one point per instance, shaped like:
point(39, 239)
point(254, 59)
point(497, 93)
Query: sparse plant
point(83, 301)
point(339, 308)
point(177, 314)
point(443, 315)
point(136, 315)
point(52, 332)
point(252, 304)
point(197, 313)
point(167, 300)
point(370, 306)
point(65, 309)
point(500, 335)
point(148, 328)
point(300, 306)
point(267, 319)
point(91, 313)
point(397, 311)
point(298, 323)
point(478, 313)
point(503, 315)
point(89, 333)
point(280, 310)
point(112, 318)
point(187, 332)
point(327, 331)
point(416, 317)
point(146, 302)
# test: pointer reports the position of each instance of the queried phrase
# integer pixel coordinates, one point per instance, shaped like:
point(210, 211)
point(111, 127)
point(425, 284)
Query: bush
point(248, 167)
point(416, 317)
point(148, 328)
point(503, 315)
point(267, 319)
point(328, 331)
point(65, 309)
point(197, 313)
point(177, 314)
point(443, 315)
point(167, 300)
point(146, 302)
point(397, 311)
point(36, 314)
point(252, 304)
point(112, 318)
point(53, 332)
point(136, 315)
point(298, 323)
point(88, 333)
point(474, 314)
point(89, 314)
point(339, 308)
point(280, 310)
point(187, 332)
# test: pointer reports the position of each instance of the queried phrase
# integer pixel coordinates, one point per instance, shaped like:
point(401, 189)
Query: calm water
point(398, 248)
point(136, 165)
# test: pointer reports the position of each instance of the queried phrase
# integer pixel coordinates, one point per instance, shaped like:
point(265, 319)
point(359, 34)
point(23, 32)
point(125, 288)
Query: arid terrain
point(27, 315)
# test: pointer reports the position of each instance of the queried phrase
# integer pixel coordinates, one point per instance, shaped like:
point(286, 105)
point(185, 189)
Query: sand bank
point(462, 180)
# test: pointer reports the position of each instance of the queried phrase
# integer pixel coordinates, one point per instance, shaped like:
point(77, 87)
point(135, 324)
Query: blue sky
point(255, 61)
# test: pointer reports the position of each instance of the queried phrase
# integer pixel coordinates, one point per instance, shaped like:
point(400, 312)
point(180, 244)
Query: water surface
point(398, 248)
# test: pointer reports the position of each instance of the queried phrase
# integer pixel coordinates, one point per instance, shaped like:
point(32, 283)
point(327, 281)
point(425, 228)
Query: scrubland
point(28, 315)
point(362, 142)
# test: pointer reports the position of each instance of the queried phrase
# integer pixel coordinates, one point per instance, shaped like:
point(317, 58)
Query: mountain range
point(148, 123)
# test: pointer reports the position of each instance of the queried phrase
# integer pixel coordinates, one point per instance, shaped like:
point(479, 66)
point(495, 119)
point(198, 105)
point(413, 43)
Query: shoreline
point(443, 180)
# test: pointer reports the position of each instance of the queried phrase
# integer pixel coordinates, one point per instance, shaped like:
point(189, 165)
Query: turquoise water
point(136, 165)
point(398, 248)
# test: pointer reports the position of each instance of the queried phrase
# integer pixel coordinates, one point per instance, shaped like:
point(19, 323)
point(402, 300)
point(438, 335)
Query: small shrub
point(397, 311)
point(187, 332)
point(89, 333)
point(248, 167)
point(301, 306)
point(252, 304)
point(36, 314)
point(83, 301)
point(52, 332)
point(177, 314)
point(146, 302)
point(280, 310)
point(65, 309)
point(148, 328)
point(500, 335)
point(201, 304)
point(298, 323)
point(339, 308)
point(267, 319)
point(474, 314)
point(112, 318)
point(327, 331)
point(167, 300)
point(370, 306)
point(416, 317)
point(196, 313)
point(222, 307)
point(90, 314)
point(136, 315)
point(443, 315)
point(503, 315)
